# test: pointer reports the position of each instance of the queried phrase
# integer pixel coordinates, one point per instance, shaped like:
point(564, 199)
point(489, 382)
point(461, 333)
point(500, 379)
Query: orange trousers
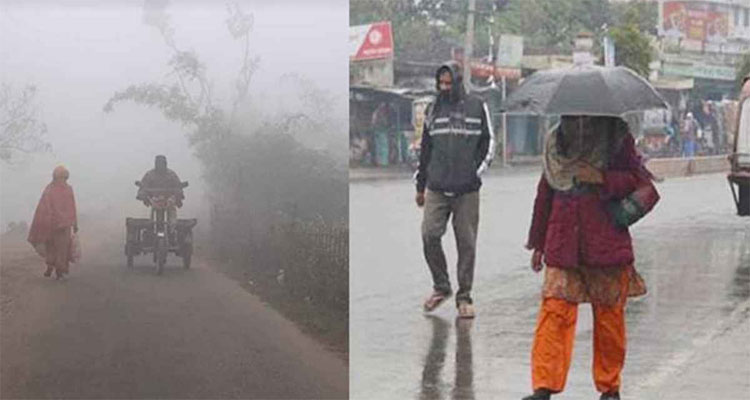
point(553, 345)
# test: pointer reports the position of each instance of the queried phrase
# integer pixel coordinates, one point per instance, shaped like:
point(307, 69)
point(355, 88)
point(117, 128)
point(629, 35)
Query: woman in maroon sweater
point(589, 164)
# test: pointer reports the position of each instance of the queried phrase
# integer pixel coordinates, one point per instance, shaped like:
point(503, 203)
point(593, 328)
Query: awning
point(674, 83)
point(365, 93)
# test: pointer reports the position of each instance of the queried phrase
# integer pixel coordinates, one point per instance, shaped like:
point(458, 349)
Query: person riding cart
point(162, 233)
point(161, 178)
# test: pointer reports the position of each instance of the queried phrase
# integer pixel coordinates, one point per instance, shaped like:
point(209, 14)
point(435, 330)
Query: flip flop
point(435, 300)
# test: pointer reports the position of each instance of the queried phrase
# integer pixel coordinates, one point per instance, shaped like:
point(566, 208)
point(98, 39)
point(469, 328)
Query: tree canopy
point(426, 29)
point(22, 130)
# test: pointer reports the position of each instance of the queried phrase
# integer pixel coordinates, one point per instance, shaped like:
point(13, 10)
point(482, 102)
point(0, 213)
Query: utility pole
point(468, 44)
point(504, 120)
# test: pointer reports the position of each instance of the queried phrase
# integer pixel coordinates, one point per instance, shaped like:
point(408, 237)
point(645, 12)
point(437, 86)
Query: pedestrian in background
point(381, 126)
point(689, 136)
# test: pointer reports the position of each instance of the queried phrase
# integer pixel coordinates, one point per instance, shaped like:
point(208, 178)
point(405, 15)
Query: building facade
point(705, 41)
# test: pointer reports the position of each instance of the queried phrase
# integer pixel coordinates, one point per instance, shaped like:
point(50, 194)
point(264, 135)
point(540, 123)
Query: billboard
point(370, 41)
point(694, 21)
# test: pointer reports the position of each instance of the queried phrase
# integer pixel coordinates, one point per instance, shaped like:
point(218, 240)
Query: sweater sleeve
point(487, 142)
point(540, 217)
point(425, 153)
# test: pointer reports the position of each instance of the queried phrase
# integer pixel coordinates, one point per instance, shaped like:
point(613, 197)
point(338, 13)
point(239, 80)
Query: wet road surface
point(687, 338)
point(109, 332)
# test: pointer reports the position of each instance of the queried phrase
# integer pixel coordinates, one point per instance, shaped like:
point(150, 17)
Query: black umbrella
point(584, 90)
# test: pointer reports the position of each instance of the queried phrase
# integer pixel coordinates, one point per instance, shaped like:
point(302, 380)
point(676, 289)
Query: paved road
point(687, 337)
point(109, 332)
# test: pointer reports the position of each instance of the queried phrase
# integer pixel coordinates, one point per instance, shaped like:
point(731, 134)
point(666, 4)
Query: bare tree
point(22, 128)
point(240, 24)
point(189, 99)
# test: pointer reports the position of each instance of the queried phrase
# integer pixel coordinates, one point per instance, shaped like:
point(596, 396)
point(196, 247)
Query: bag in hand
point(635, 206)
point(75, 248)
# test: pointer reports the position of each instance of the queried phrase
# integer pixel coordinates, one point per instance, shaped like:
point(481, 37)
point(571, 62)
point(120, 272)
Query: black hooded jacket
point(162, 178)
point(458, 143)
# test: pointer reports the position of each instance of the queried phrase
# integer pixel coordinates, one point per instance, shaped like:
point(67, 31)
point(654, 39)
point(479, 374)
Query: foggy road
point(686, 337)
point(112, 332)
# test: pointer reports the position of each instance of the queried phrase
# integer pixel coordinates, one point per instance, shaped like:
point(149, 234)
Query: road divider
point(673, 167)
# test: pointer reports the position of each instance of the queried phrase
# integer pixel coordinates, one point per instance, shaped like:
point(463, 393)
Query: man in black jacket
point(162, 178)
point(457, 147)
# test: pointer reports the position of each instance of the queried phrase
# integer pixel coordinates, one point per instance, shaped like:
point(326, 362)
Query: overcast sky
point(79, 53)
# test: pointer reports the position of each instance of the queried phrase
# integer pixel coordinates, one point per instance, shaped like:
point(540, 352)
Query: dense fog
point(78, 54)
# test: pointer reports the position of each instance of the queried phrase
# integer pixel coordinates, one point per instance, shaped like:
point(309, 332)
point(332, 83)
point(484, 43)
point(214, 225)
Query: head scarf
point(580, 140)
point(160, 163)
point(60, 174)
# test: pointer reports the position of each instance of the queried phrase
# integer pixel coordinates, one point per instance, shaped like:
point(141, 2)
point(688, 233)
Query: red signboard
point(371, 41)
point(694, 21)
point(481, 69)
point(484, 69)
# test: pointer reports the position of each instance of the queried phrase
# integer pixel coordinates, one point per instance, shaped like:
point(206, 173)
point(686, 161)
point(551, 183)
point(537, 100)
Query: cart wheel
point(129, 254)
point(160, 266)
point(743, 206)
point(187, 250)
point(161, 255)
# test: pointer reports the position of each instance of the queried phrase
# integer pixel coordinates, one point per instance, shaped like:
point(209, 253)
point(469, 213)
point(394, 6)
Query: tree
point(549, 26)
point(632, 45)
point(427, 29)
point(188, 98)
point(22, 128)
point(633, 49)
point(643, 14)
point(421, 31)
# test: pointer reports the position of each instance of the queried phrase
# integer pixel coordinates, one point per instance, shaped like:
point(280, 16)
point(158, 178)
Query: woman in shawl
point(55, 216)
point(590, 163)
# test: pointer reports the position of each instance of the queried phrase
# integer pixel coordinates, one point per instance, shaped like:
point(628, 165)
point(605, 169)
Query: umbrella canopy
point(584, 90)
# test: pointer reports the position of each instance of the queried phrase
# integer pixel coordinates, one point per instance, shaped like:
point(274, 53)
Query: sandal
point(466, 310)
point(435, 300)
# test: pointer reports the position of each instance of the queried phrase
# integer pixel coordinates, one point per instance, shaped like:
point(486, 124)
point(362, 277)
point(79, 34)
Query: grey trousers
point(464, 210)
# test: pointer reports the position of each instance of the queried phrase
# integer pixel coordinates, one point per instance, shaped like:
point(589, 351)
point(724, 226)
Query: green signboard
point(700, 71)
